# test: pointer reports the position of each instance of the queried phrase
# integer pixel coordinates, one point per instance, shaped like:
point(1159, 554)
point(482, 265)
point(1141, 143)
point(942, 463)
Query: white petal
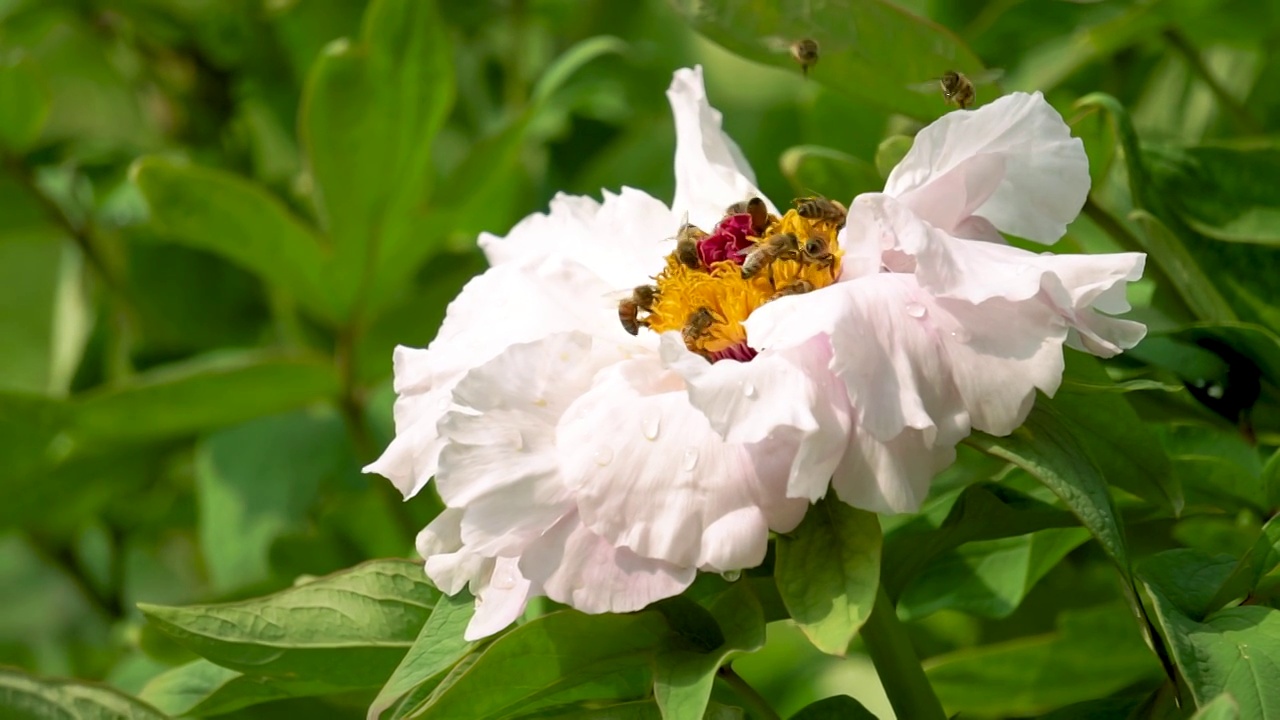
point(711, 173)
point(622, 240)
point(1012, 162)
point(893, 476)
point(500, 599)
point(448, 564)
point(652, 475)
point(501, 464)
point(577, 567)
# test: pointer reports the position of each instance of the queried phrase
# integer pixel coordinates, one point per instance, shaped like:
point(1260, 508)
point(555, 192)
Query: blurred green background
point(218, 217)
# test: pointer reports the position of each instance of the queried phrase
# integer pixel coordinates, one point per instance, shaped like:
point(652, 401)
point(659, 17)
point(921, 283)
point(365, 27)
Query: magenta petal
point(729, 241)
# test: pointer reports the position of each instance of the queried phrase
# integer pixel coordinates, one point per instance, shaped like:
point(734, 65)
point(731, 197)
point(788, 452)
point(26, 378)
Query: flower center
point(714, 281)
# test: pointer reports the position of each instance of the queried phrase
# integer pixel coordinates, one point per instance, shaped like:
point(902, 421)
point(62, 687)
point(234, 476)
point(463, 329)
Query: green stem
point(897, 665)
point(755, 702)
point(1191, 55)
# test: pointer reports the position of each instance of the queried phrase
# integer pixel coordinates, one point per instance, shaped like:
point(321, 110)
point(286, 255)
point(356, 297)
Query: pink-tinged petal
point(787, 391)
point(1012, 162)
point(652, 475)
point(501, 464)
point(575, 566)
point(620, 240)
point(893, 476)
point(500, 599)
point(711, 172)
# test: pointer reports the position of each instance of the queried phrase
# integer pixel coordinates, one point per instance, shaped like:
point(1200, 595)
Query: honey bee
point(805, 52)
point(687, 245)
point(958, 89)
point(820, 208)
point(814, 250)
point(697, 325)
point(754, 207)
point(797, 287)
point(629, 308)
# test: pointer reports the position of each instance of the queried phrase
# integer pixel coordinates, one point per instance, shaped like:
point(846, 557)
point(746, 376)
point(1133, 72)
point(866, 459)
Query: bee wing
point(774, 43)
point(987, 76)
point(930, 86)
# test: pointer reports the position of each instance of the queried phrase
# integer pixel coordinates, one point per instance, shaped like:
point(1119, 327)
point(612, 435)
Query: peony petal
point(500, 599)
point(652, 475)
point(448, 565)
point(893, 476)
point(621, 240)
point(711, 172)
point(577, 567)
point(1012, 162)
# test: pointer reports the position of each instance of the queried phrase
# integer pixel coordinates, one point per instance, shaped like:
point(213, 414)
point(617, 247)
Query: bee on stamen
point(642, 298)
point(758, 211)
point(821, 208)
point(697, 325)
point(763, 253)
point(687, 246)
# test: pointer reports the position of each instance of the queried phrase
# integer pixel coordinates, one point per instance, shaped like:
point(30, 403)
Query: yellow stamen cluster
point(730, 298)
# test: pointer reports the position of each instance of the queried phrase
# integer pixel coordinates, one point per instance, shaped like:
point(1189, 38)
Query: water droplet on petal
point(651, 425)
point(731, 575)
point(604, 456)
point(690, 460)
point(960, 335)
point(915, 310)
point(749, 390)
point(504, 577)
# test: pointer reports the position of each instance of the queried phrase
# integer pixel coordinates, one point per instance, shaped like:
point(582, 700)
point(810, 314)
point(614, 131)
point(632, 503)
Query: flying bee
point(687, 245)
point(754, 207)
point(820, 208)
point(697, 325)
point(958, 89)
point(805, 52)
point(629, 308)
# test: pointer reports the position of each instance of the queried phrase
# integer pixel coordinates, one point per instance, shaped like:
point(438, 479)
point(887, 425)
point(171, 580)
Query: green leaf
point(24, 103)
point(1226, 193)
point(1120, 444)
point(1044, 447)
point(1223, 707)
point(684, 677)
point(200, 394)
point(256, 481)
point(1235, 651)
point(25, 697)
point(891, 151)
point(838, 707)
point(1216, 466)
point(828, 570)
point(548, 655)
point(1093, 653)
point(580, 55)
point(1187, 578)
point(871, 50)
point(990, 578)
point(200, 688)
point(222, 213)
point(370, 110)
point(349, 629)
point(636, 710)
point(438, 648)
point(825, 171)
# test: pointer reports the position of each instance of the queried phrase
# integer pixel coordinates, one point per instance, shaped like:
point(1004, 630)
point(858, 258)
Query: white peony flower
point(603, 469)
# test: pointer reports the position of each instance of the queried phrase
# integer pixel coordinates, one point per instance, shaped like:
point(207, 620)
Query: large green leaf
point(348, 629)
point(826, 171)
point(200, 394)
point(222, 213)
point(24, 103)
point(548, 655)
point(871, 50)
point(828, 570)
point(438, 648)
point(370, 111)
point(1093, 653)
point(1223, 707)
point(1225, 193)
point(201, 688)
point(24, 697)
point(256, 481)
point(1234, 651)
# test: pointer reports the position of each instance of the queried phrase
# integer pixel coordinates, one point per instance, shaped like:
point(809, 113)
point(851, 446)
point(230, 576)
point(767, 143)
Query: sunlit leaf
point(872, 50)
point(25, 697)
point(1223, 707)
point(349, 629)
point(437, 648)
point(828, 570)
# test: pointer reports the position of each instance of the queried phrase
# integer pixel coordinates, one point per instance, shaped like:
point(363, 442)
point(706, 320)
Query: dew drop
point(604, 456)
point(504, 578)
point(650, 427)
point(731, 575)
point(960, 335)
point(915, 310)
point(749, 390)
point(690, 460)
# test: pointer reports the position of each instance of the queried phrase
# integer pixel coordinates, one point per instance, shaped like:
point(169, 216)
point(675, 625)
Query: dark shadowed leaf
point(839, 707)
point(25, 697)
point(201, 688)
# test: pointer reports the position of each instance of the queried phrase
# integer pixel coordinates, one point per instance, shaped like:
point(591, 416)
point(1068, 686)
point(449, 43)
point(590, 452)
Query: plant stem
point(1191, 55)
point(897, 665)
point(756, 704)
